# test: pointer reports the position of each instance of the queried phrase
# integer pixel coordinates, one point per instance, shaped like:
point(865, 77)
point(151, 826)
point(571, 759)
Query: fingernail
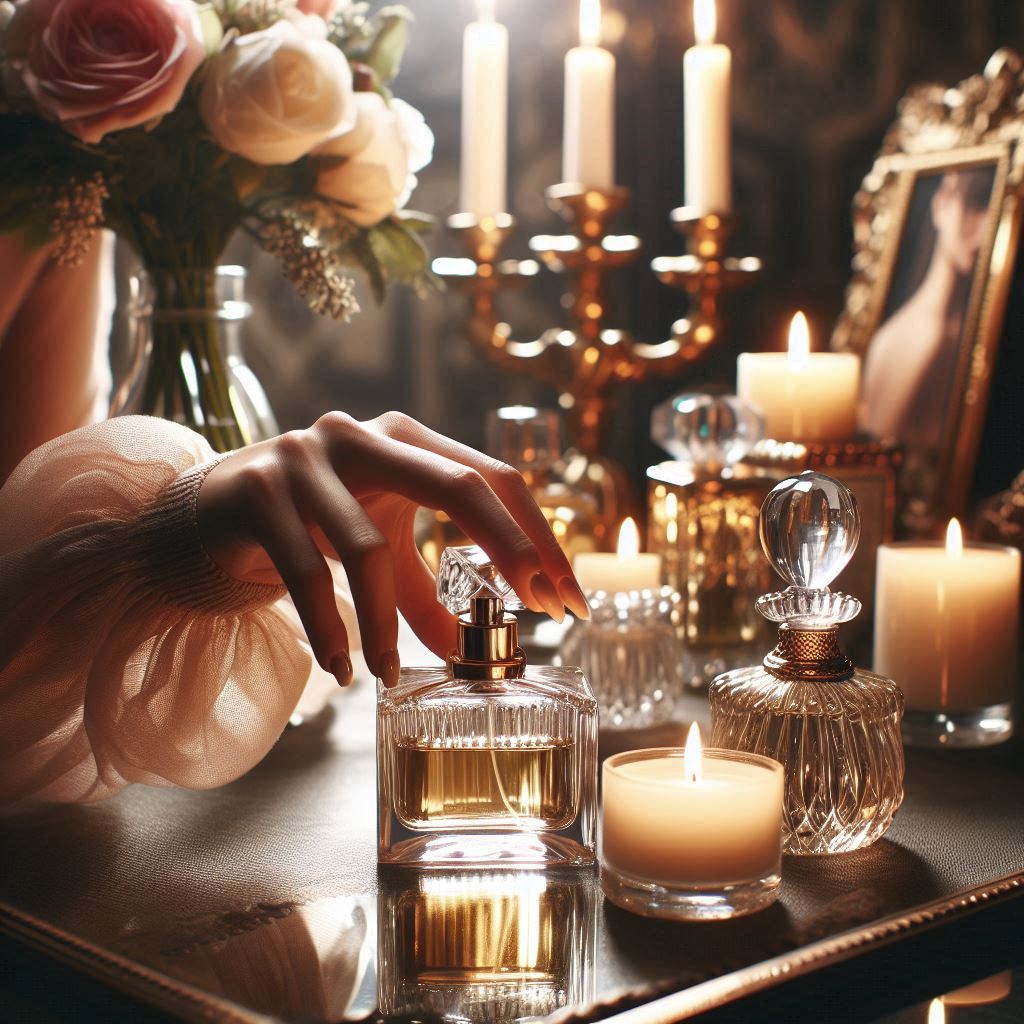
point(546, 596)
point(389, 668)
point(573, 598)
point(341, 666)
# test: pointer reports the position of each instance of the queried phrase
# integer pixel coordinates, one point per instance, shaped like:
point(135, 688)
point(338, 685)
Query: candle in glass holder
point(946, 621)
point(804, 396)
point(707, 69)
point(484, 114)
point(588, 141)
point(627, 569)
point(691, 833)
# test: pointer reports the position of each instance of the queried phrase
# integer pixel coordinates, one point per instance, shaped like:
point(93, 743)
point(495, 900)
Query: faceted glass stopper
point(708, 431)
point(468, 572)
point(810, 525)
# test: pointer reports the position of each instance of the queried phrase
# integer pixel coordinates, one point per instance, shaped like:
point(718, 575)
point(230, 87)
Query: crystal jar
point(836, 729)
point(629, 651)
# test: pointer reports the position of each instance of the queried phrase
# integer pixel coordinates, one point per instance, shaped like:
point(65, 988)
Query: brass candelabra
point(585, 360)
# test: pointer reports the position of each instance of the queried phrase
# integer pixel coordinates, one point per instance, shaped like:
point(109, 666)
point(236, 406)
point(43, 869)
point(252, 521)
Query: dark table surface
point(263, 899)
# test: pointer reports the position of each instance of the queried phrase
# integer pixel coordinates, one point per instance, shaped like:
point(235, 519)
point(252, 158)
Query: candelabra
point(584, 361)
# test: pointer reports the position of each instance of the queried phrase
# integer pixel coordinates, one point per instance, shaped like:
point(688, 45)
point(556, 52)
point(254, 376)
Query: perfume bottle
point(485, 946)
point(836, 729)
point(530, 440)
point(486, 761)
point(703, 521)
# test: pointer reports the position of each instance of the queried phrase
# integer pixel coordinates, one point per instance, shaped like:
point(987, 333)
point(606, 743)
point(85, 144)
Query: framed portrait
point(936, 225)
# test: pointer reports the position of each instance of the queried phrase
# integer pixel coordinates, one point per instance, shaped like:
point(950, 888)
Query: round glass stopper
point(706, 430)
point(809, 528)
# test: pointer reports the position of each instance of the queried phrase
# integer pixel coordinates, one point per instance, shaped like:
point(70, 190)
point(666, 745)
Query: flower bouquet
point(175, 123)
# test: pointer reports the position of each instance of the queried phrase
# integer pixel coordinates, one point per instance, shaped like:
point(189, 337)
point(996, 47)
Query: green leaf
point(384, 54)
point(421, 223)
point(399, 250)
point(363, 252)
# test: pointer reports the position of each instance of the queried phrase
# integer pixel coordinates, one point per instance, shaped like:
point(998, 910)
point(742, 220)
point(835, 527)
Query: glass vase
point(185, 333)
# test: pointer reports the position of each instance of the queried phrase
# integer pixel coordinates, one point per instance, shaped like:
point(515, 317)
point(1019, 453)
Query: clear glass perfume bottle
point(703, 520)
point(485, 946)
point(836, 729)
point(486, 761)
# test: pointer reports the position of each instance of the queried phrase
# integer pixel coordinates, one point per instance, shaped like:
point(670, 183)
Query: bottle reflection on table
point(485, 947)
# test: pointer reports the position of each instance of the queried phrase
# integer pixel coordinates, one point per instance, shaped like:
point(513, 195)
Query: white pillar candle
point(627, 569)
point(665, 823)
point(588, 140)
point(946, 619)
point(707, 69)
point(484, 114)
point(803, 395)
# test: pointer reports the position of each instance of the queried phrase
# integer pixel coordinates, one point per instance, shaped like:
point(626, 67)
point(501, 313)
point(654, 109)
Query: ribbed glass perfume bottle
point(836, 729)
point(486, 761)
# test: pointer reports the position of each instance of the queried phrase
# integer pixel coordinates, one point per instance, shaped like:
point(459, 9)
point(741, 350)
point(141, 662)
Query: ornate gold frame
point(980, 121)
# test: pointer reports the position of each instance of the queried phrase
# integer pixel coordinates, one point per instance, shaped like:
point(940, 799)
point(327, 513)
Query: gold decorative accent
point(810, 655)
point(584, 361)
point(976, 122)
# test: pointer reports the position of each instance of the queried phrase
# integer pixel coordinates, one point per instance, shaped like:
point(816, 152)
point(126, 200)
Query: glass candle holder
point(947, 633)
point(495, 946)
point(629, 651)
point(691, 846)
point(703, 509)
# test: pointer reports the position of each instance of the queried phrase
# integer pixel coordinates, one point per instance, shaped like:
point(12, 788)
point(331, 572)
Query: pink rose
point(325, 8)
point(97, 66)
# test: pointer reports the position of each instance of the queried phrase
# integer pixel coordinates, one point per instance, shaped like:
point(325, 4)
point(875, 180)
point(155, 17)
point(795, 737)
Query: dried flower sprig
point(309, 264)
point(77, 213)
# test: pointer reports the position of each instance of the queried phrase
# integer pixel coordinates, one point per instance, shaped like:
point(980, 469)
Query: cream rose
point(97, 66)
point(385, 149)
point(272, 96)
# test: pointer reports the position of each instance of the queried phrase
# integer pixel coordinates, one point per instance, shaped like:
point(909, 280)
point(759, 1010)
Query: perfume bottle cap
point(809, 527)
point(470, 586)
point(708, 432)
point(524, 436)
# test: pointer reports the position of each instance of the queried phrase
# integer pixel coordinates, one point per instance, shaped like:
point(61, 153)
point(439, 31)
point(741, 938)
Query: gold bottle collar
point(488, 643)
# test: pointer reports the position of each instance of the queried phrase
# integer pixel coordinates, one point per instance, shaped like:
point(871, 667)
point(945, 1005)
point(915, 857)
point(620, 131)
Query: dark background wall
point(816, 83)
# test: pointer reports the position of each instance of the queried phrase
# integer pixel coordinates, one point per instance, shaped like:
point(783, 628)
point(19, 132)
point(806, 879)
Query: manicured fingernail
point(389, 668)
point(546, 596)
point(573, 598)
point(341, 666)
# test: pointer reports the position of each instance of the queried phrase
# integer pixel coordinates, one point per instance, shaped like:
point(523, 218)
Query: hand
point(271, 512)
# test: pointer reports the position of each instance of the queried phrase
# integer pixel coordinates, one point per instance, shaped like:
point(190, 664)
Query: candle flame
point(485, 10)
point(590, 22)
point(693, 755)
point(954, 539)
point(799, 343)
point(936, 1012)
point(704, 21)
point(629, 539)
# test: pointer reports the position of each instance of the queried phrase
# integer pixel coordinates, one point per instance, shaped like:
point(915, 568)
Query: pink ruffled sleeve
point(126, 654)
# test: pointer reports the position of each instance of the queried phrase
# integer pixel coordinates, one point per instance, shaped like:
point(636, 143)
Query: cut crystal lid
point(468, 572)
point(809, 527)
point(707, 431)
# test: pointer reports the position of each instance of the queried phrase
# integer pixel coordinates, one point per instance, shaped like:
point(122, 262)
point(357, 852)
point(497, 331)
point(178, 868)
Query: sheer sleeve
point(126, 654)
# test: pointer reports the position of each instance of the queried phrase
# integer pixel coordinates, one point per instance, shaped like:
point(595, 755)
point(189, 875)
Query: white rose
point(272, 96)
point(385, 149)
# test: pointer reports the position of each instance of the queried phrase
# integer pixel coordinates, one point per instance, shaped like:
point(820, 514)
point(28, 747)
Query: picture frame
point(937, 224)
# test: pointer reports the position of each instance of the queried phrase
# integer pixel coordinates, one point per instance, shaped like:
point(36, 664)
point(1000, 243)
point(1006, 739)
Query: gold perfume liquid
point(441, 784)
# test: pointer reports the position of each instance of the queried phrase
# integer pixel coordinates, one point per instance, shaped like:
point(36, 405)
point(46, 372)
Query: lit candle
point(627, 569)
point(946, 622)
point(685, 819)
point(588, 142)
point(707, 68)
point(803, 395)
point(484, 113)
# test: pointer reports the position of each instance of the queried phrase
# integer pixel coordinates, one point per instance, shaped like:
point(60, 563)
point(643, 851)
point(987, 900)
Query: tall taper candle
point(707, 68)
point(588, 142)
point(484, 114)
